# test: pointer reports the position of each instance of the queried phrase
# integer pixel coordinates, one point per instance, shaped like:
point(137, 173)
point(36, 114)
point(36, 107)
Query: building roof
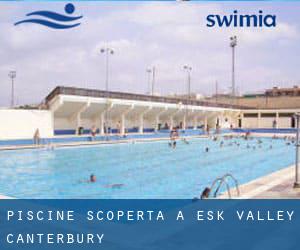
point(60, 90)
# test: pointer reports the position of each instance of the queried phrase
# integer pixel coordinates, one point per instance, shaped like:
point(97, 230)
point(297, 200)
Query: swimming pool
point(147, 170)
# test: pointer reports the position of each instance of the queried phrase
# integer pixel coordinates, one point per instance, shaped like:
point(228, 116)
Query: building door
point(293, 122)
point(240, 123)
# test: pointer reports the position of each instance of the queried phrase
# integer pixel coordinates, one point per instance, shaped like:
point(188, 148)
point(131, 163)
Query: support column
point(77, 116)
point(205, 123)
point(54, 107)
point(78, 122)
point(171, 118)
point(184, 122)
point(106, 118)
point(171, 122)
point(141, 119)
point(101, 128)
point(277, 120)
point(195, 123)
point(258, 119)
point(141, 124)
point(157, 118)
point(156, 122)
point(123, 119)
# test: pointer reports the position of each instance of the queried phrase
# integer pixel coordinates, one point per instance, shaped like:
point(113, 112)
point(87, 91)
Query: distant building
point(274, 92)
point(193, 96)
point(253, 95)
point(275, 98)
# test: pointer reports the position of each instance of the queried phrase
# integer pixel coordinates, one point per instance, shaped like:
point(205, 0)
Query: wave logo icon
point(53, 20)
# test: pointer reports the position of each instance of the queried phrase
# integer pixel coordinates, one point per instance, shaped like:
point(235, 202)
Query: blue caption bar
point(149, 224)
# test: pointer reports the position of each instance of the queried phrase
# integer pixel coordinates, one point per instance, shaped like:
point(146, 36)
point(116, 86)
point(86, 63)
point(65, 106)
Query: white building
point(74, 108)
point(70, 109)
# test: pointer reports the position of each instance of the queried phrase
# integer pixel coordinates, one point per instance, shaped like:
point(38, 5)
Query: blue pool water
point(147, 170)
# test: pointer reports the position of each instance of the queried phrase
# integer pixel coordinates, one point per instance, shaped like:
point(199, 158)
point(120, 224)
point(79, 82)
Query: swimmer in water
point(207, 149)
point(117, 185)
point(185, 141)
point(205, 193)
point(174, 144)
point(93, 178)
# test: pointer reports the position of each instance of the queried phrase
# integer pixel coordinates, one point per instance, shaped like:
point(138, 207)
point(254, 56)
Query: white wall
point(64, 123)
point(249, 122)
point(267, 122)
point(149, 123)
point(284, 122)
point(22, 124)
point(89, 123)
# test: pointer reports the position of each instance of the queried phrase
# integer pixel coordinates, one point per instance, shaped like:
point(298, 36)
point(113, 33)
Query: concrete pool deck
point(130, 140)
point(277, 185)
point(5, 197)
point(100, 142)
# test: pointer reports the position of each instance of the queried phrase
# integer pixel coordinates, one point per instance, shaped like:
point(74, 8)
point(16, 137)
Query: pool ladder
point(223, 180)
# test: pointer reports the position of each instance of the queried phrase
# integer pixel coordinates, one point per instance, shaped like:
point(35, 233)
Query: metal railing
point(220, 182)
point(60, 90)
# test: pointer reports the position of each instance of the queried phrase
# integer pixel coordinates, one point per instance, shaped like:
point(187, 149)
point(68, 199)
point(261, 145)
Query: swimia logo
point(242, 20)
point(52, 19)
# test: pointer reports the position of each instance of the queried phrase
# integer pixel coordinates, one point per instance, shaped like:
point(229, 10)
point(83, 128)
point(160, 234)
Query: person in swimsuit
point(205, 193)
point(93, 178)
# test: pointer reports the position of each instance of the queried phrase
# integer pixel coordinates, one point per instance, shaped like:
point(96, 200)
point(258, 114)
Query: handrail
point(221, 180)
point(235, 182)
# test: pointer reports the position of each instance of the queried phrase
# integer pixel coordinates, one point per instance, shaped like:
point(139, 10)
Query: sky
point(144, 34)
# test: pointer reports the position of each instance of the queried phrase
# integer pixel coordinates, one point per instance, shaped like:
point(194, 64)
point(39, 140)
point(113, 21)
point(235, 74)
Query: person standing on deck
point(36, 137)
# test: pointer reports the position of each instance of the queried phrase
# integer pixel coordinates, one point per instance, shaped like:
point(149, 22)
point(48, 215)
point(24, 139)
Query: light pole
point(12, 75)
point(217, 91)
point(188, 69)
point(153, 79)
point(107, 51)
point(233, 44)
point(149, 72)
point(297, 181)
point(153, 72)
